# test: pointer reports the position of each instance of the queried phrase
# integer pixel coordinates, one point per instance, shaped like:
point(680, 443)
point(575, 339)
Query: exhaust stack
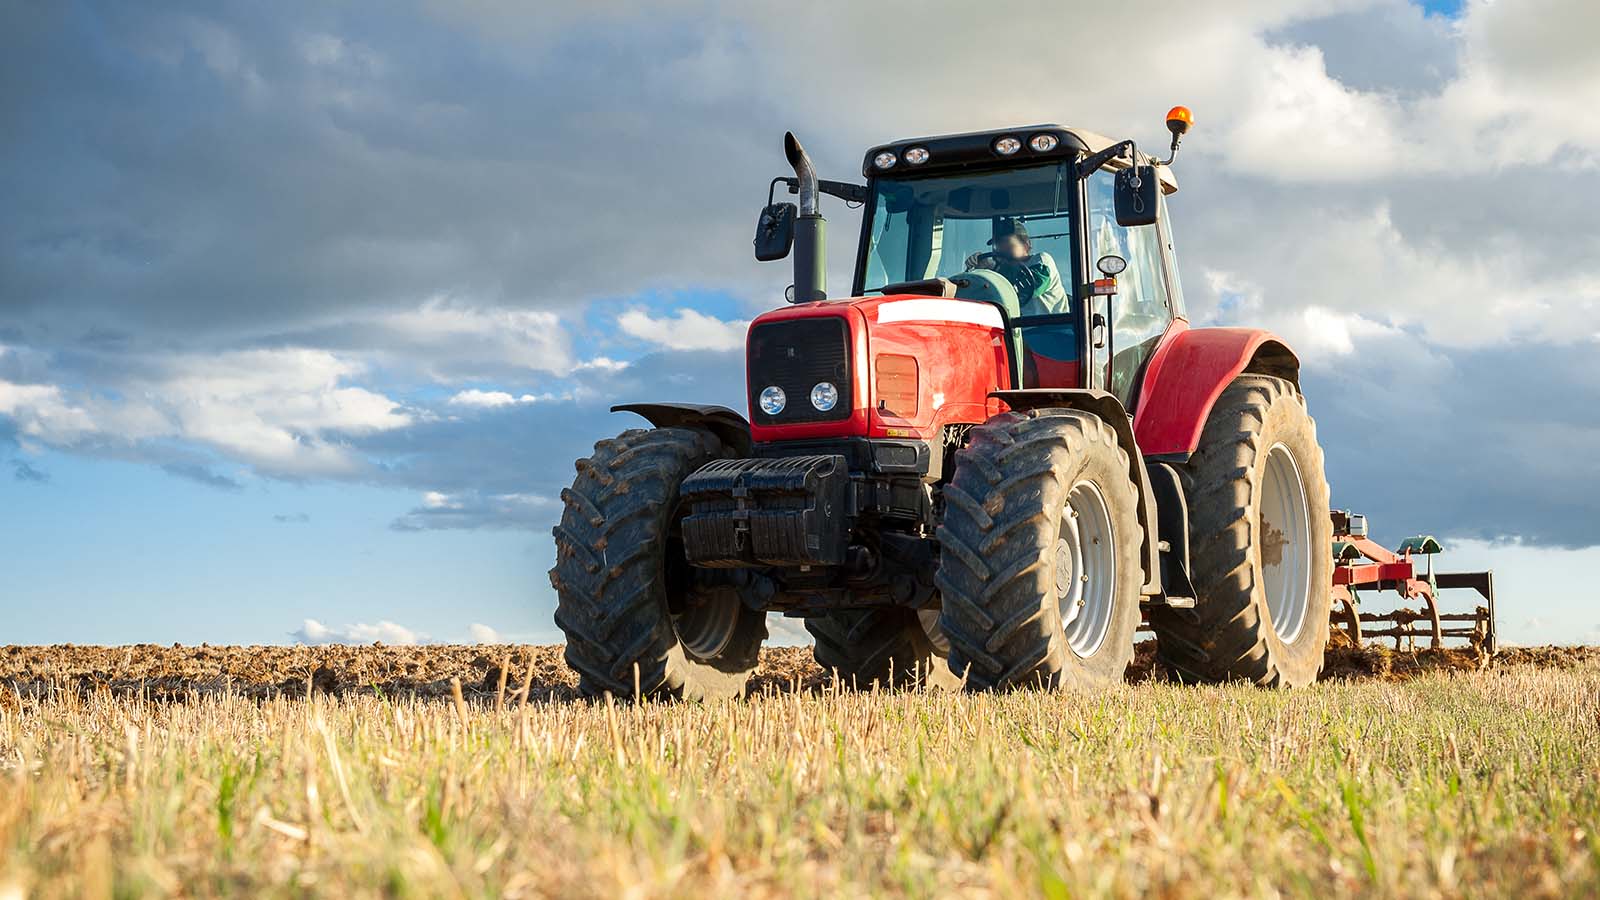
point(810, 229)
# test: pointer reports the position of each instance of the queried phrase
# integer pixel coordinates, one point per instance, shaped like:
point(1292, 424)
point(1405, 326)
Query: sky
point(306, 308)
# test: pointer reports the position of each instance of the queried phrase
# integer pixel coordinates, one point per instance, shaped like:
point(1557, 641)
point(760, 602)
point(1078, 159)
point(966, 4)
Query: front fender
point(1187, 374)
point(729, 427)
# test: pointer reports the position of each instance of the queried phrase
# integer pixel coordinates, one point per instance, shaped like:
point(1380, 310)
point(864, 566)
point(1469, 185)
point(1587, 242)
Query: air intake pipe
point(810, 229)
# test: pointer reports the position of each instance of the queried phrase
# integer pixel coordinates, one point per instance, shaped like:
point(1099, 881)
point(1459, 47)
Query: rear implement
point(1361, 564)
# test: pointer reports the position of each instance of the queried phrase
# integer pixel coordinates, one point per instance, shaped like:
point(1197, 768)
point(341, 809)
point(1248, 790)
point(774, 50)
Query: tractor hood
point(895, 366)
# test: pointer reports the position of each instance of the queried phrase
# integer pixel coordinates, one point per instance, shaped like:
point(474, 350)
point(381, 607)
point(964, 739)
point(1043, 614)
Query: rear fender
point(1108, 409)
point(1188, 373)
point(729, 427)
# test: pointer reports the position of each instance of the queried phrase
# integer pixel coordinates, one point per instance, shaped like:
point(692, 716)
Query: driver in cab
point(1034, 275)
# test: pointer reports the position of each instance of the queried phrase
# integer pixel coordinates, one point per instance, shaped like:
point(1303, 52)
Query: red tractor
point(995, 461)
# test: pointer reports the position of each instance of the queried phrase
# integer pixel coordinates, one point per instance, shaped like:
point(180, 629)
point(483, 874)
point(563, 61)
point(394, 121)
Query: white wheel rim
point(1086, 569)
point(1285, 544)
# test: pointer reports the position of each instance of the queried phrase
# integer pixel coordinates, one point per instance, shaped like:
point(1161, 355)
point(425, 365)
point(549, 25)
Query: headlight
point(1043, 143)
point(1007, 146)
point(772, 400)
point(884, 160)
point(917, 155)
point(824, 396)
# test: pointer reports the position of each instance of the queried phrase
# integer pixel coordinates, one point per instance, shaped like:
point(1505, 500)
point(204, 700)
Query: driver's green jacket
point(1038, 284)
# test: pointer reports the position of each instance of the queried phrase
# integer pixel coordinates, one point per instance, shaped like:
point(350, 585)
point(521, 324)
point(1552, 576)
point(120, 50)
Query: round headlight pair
point(916, 156)
point(824, 396)
point(1041, 143)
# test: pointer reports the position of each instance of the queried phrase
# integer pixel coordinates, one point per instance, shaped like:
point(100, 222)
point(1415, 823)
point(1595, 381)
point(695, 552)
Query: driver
point(1034, 275)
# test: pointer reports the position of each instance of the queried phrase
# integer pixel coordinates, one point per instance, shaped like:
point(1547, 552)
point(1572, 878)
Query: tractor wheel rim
point(1285, 543)
point(1086, 569)
point(706, 628)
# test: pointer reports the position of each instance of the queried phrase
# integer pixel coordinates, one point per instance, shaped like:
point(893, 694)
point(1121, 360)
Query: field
point(363, 771)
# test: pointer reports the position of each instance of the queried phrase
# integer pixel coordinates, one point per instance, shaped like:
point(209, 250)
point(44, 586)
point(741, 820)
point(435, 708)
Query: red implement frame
point(1368, 566)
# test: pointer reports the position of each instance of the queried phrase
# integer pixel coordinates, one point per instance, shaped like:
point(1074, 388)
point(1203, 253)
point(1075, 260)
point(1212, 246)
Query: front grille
point(795, 355)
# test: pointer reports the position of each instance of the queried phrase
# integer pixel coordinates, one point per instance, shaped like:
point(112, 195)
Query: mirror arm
point(1172, 154)
point(849, 193)
point(1092, 163)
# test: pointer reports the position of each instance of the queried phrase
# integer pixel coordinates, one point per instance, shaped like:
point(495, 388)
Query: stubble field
point(362, 771)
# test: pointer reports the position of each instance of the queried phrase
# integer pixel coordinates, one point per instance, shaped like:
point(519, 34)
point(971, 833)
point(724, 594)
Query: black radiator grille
point(795, 355)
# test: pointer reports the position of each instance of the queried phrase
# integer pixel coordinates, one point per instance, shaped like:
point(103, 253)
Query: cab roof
point(975, 149)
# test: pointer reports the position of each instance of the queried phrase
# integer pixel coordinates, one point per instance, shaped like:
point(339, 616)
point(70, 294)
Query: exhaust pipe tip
point(792, 149)
point(804, 172)
point(810, 269)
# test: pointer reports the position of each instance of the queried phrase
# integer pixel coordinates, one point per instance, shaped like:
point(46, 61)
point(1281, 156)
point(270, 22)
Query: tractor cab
point(1026, 219)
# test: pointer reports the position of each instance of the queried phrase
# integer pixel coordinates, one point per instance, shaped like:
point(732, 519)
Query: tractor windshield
point(1010, 231)
point(1014, 221)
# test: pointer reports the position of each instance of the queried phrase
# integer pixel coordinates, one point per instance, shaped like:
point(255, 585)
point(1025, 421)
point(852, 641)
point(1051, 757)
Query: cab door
point(1141, 310)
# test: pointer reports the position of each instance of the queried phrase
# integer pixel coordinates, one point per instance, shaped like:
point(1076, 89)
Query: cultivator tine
point(1483, 583)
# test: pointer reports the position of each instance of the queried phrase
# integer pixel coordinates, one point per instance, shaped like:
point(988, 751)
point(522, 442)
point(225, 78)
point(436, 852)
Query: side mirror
point(775, 232)
point(1136, 194)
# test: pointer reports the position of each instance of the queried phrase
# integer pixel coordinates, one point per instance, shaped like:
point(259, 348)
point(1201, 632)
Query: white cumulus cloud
point(314, 632)
point(685, 329)
point(283, 411)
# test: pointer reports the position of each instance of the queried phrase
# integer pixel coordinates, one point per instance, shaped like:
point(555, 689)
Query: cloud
point(601, 363)
point(201, 474)
point(685, 329)
point(483, 634)
point(285, 412)
point(291, 518)
point(22, 471)
point(783, 631)
point(314, 632)
point(491, 399)
point(477, 510)
point(454, 342)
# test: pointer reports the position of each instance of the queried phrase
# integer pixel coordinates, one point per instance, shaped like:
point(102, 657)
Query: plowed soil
point(178, 672)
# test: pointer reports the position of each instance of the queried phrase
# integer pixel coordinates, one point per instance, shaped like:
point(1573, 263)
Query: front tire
point(625, 595)
point(1039, 567)
point(1259, 534)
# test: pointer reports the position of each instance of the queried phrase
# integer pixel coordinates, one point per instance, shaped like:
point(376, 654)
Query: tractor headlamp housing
point(885, 160)
point(773, 400)
point(824, 396)
point(1043, 143)
point(1007, 145)
point(917, 155)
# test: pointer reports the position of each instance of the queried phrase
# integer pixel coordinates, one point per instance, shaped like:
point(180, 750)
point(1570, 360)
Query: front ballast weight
point(1361, 564)
point(788, 511)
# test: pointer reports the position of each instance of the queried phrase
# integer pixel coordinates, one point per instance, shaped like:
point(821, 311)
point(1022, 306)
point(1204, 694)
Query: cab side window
point(1141, 309)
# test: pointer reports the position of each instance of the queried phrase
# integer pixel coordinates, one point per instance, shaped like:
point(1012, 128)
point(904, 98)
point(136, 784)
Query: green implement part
point(1345, 551)
point(1421, 543)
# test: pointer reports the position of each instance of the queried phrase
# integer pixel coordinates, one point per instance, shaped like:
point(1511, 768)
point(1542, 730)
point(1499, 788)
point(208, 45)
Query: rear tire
point(1033, 594)
point(1259, 534)
point(885, 646)
point(624, 595)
